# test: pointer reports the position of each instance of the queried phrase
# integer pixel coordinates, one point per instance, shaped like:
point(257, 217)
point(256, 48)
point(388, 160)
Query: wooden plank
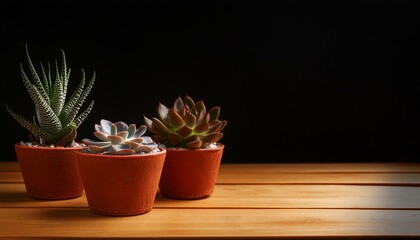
point(257, 196)
point(277, 168)
point(262, 177)
point(11, 177)
point(408, 167)
point(179, 223)
point(9, 167)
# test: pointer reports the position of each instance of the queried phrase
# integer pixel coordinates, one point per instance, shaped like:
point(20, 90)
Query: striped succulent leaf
point(56, 119)
point(187, 124)
point(119, 139)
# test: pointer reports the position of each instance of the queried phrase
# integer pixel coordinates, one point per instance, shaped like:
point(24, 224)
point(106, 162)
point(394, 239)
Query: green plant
point(119, 139)
point(56, 120)
point(187, 124)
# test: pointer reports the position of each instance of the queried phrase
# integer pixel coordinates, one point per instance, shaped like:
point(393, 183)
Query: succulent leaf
point(178, 105)
point(194, 144)
point(106, 126)
point(223, 126)
point(30, 126)
point(190, 121)
point(189, 102)
point(174, 138)
point(74, 97)
point(137, 140)
point(115, 140)
point(97, 143)
point(79, 119)
point(144, 148)
point(148, 123)
point(133, 144)
point(101, 135)
point(98, 149)
point(125, 152)
point(113, 129)
point(148, 140)
point(45, 83)
point(140, 131)
point(213, 114)
point(131, 130)
point(68, 138)
point(73, 112)
point(201, 118)
point(64, 72)
point(121, 126)
point(202, 127)
point(183, 112)
point(37, 81)
point(162, 112)
point(212, 137)
point(98, 128)
point(47, 118)
point(159, 139)
point(175, 119)
point(160, 126)
point(215, 127)
point(185, 131)
point(58, 99)
point(200, 106)
point(187, 124)
point(123, 134)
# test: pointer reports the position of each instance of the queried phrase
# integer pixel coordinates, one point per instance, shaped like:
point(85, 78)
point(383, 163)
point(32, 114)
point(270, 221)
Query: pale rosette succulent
point(187, 124)
point(120, 139)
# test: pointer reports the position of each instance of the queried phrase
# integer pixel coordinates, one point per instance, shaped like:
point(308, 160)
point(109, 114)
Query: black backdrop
point(297, 81)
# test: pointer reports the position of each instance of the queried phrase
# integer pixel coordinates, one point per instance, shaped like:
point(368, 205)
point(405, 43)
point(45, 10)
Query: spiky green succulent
point(56, 120)
point(187, 124)
point(119, 139)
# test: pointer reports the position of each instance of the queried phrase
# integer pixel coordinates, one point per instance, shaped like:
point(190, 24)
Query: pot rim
point(219, 147)
point(49, 148)
point(162, 151)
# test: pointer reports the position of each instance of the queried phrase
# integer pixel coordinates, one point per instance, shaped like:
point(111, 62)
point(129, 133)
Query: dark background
point(297, 81)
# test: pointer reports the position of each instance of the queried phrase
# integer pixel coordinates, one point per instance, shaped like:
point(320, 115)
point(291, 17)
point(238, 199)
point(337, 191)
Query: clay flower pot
point(50, 173)
point(190, 174)
point(121, 185)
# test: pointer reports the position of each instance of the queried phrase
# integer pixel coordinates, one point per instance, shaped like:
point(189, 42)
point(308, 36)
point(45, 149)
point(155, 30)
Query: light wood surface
point(346, 200)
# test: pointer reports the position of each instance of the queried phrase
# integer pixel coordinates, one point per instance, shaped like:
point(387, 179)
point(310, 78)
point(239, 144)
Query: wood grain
point(404, 167)
point(11, 177)
point(61, 222)
point(9, 167)
point(274, 168)
point(257, 196)
point(262, 177)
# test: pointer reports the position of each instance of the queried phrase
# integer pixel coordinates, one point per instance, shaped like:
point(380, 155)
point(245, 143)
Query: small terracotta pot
point(50, 173)
point(121, 185)
point(190, 174)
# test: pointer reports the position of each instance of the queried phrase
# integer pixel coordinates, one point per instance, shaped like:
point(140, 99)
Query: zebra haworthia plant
point(187, 124)
point(57, 119)
point(120, 139)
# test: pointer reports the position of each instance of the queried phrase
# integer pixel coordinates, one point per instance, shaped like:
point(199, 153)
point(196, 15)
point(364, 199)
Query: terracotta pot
point(50, 173)
point(190, 174)
point(121, 185)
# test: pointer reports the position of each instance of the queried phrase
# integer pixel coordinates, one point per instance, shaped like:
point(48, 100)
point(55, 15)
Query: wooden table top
point(343, 200)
